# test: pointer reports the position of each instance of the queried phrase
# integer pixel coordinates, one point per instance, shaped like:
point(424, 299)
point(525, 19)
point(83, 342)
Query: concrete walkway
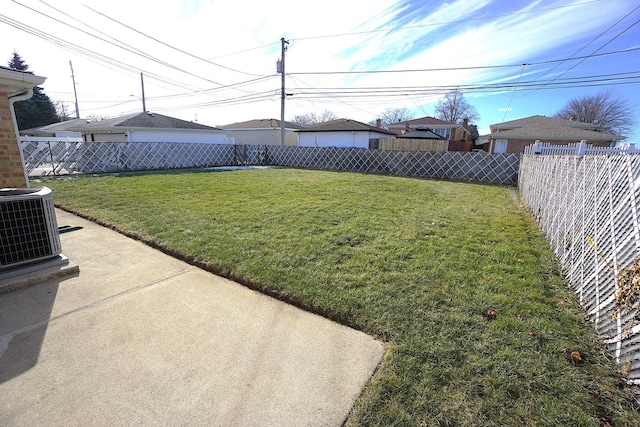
point(140, 338)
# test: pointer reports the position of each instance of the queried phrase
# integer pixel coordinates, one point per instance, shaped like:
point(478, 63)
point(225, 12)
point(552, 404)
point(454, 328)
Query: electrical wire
point(124, 47)
point(89, 53)
point(590, 42)
point(168, 45)
point(478, 67)
point(435, 24)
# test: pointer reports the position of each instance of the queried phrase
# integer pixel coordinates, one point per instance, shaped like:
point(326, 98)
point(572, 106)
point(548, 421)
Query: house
point(448, 130)
point(343, 133)
point(14, 86)
point(513, 136)
point(262, 132)
point(137, 127)
point(56, 130)
point(421, 133)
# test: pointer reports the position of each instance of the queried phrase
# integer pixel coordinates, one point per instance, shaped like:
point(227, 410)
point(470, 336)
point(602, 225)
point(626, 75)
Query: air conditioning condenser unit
point(28, 226)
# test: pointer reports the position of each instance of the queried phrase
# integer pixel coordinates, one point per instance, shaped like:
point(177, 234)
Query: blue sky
point(214, 61)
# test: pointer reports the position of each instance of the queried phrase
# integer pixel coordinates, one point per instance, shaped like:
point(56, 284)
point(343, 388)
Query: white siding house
point(263, 132)
point(138, 127)
point(342, 133)
point(178, 135)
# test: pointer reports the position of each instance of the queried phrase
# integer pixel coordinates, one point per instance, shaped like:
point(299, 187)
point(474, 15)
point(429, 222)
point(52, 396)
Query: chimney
point(378, 123)
point(465, 123)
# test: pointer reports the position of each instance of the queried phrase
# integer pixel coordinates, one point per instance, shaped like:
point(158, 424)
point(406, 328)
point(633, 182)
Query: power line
point(110, 61)
point(435, 24)
point(87, 52)
point(479, 67)
point(170, 46)
point(121, 46)
point(592, 41)
point(595, 51)
point(513, 93)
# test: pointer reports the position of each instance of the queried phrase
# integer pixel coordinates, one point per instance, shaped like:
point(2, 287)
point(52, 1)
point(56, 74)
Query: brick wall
point(11, 170)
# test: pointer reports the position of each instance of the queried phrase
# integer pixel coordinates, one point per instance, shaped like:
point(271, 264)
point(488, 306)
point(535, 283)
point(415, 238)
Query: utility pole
point(282, 94)
point(73, 79)
point(144, 105)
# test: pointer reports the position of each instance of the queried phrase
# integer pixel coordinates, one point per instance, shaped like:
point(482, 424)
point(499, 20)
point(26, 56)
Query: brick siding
point(11, 169)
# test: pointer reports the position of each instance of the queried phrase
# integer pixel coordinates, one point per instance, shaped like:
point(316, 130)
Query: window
point(446, 133)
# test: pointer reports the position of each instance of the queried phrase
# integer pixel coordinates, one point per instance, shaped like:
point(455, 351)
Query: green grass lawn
point(418, 263)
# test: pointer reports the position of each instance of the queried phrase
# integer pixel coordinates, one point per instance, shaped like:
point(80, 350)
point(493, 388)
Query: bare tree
point(454, 108)
point(312, 118)
point(63, 111)
point(95, 118)
point(606, 110)
point(395, 115)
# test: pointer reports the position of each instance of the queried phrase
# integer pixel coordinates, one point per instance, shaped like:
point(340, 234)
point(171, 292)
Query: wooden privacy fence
point(587, 206)
point(411, 144)
point(101, 157)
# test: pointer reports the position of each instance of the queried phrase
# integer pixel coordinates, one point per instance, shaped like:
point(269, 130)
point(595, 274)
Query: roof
point(427, 121)
point(541, 120)
point(262, 124)
point(49, 130)
point(145, 120)
point(16, 80)
point(554, 133)
point(342, 125)
point(421, 133)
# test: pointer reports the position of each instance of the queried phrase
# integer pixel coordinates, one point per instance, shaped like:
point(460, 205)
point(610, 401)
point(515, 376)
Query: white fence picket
point(589, 197)
point(577, 148)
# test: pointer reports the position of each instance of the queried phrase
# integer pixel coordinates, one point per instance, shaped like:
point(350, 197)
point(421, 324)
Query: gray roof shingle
point(262, 124)
point(136, 120)
point(541, 120)
point(341, 125)
point(554, 133)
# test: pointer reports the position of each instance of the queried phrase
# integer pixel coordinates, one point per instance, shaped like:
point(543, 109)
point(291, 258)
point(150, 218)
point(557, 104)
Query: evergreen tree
point(36, 111)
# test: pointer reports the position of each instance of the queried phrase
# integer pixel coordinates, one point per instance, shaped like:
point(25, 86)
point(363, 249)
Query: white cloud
point(245, 35)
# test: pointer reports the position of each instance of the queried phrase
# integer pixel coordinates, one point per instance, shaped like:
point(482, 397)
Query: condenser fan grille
point(28, 229)
point(24, 233)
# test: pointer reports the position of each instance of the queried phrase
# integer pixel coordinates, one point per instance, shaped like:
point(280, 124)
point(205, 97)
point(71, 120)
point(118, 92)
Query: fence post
point(53, 166)
point(581, 148)
point(536, 147)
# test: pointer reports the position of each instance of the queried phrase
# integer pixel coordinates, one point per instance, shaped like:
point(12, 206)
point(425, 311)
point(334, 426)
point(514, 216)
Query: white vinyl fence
point(587, 206)
point(578, 148)
point(56, 157)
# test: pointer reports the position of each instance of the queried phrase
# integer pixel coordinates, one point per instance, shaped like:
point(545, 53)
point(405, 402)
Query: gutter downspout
point(15, 97)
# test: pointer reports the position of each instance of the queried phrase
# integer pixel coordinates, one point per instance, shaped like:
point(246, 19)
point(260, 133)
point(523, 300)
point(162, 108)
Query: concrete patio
point(140, 338)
